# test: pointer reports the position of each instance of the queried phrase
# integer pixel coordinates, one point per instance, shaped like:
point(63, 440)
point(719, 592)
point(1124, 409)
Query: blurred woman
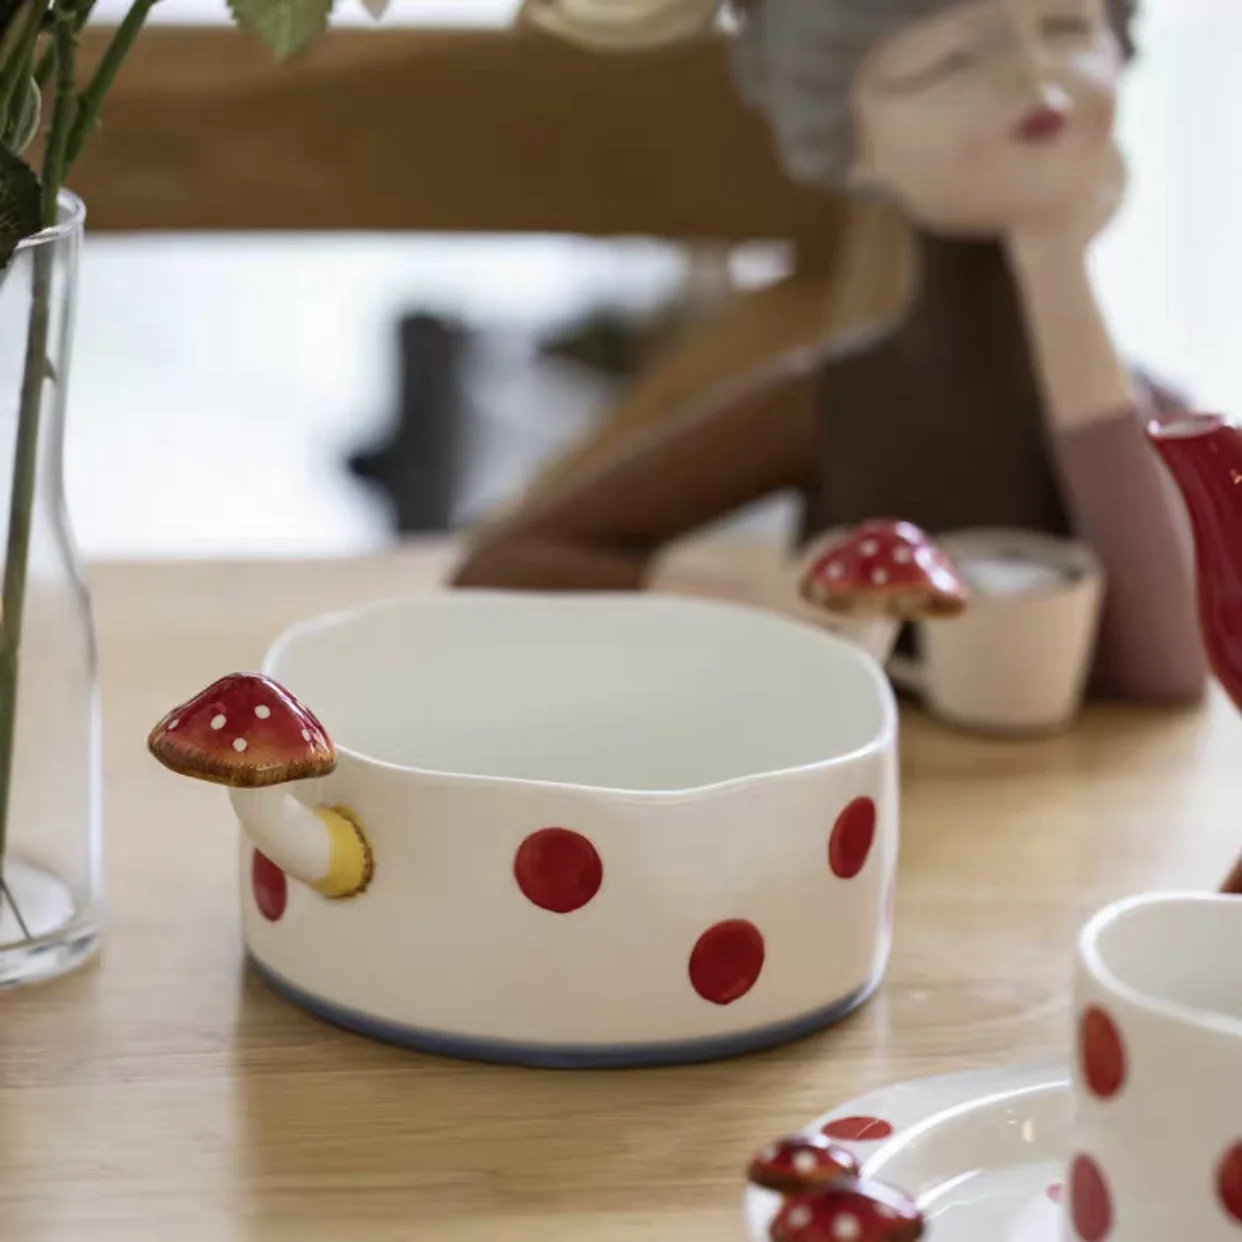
point(998, 401)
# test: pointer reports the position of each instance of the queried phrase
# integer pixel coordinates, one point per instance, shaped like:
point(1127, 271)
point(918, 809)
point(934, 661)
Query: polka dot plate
point(984, 1152)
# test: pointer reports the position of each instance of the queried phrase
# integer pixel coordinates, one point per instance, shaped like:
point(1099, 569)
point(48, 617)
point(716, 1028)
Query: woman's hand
point(1083, 377)
point(1075, 227)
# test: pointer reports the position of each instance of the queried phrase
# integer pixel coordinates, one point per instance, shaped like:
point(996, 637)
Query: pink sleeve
point(1123, 505)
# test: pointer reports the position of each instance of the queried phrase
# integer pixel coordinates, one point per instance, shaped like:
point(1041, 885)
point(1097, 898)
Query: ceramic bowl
point(607, 830)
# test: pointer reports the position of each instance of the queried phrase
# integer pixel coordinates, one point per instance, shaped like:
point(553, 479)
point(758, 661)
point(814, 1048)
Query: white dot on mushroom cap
point(239, 743)
point(835, 570)
point(800, 1217)
point(868, 547)
point(306, 735)
point(847, 1228)
point(172, 724)
point(218, 723)
point(805, 1162)
point(263, 711)
point(880, 577)
point(902, 556)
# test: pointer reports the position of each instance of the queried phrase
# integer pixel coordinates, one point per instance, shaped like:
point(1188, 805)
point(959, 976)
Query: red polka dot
point(1102, 1055)
point(726, 961)
point(1229, 1183)
point(558, 870)
point(1056, 1192)
point(1091, 1205)
point(270, 887)
point(858, 1129)
point(852, 837)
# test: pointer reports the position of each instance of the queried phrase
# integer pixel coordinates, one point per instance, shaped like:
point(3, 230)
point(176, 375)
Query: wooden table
point(165, 1095)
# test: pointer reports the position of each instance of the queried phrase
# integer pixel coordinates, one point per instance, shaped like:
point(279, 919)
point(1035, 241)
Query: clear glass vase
point(51, 883)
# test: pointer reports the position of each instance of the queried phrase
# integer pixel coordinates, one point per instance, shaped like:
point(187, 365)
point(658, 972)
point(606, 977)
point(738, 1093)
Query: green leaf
point(283, 26)
point(20, 204)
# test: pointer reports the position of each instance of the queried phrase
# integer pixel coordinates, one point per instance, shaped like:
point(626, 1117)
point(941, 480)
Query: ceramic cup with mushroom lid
point(579, 830)
point(1018, 660)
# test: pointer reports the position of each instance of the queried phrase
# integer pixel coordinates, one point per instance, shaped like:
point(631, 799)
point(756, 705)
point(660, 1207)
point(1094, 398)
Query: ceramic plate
point(982, 1152)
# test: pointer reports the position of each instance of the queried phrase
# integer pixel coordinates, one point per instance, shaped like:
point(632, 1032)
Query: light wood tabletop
point(164, 1094)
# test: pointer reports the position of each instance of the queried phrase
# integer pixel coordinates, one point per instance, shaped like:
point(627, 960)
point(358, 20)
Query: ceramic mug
point(1158, 1073)
point(1018, 659)
point(606, 830)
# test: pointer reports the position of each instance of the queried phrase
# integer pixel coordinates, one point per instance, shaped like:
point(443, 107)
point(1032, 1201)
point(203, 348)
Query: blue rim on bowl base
point(567, 1056)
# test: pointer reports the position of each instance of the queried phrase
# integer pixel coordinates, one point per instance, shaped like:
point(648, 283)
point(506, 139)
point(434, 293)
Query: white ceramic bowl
point(607, 830)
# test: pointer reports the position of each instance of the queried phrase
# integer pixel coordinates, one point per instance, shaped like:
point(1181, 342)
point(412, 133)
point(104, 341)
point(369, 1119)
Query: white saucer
point(983, 1153)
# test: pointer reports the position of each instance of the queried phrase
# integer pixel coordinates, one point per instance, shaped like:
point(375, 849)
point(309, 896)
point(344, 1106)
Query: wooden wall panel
point(462, 130)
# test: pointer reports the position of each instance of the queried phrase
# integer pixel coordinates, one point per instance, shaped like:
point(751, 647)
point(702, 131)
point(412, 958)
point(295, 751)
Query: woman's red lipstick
point(1042, 125)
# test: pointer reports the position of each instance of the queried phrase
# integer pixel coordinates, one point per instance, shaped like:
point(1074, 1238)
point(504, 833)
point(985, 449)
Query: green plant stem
point(47, 62)
point(72, 122)
point(29, 418)
point(13, 35)
point(6, 893)
point(64, 109)
point(21, 511)
point(16, 67)
point(92, 99)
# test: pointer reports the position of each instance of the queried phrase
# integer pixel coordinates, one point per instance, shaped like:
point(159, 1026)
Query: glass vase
point(51, 882)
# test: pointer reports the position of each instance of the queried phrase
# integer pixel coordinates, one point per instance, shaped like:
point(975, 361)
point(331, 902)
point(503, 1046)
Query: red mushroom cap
point(246, 731)
point(796, 1165)
point(850, 1211)
point(885, 566)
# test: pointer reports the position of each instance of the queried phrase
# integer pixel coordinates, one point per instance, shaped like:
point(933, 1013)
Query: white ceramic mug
point(1018, 659)
point(607, 830)
point(1158, 1073)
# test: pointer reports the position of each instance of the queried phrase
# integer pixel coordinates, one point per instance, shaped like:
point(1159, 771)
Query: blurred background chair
point(483, 132)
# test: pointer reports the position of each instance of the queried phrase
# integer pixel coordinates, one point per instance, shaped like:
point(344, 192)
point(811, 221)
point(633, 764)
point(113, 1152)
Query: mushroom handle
point(323, 846)
point(248, 732)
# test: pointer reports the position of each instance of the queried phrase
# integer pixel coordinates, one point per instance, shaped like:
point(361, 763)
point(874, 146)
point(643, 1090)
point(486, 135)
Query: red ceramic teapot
point(1204, 454)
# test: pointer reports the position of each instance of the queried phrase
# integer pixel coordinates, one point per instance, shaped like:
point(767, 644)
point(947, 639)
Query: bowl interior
point(619, 692)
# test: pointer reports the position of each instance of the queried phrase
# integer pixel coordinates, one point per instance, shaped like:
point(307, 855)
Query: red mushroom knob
point(885, 566)
point(849, 1211)
point(246, 731)
point(794, 1166)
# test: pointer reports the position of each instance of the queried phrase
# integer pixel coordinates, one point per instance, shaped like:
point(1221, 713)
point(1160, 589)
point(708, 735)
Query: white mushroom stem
point(320, 847)
point(875, 632)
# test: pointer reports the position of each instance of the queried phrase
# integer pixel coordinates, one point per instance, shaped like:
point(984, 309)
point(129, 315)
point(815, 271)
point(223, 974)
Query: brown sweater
point(939, 422)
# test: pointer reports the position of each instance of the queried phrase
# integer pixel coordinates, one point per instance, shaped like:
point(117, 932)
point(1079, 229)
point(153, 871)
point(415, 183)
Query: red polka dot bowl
point(603, 830)
point(1157, 1072)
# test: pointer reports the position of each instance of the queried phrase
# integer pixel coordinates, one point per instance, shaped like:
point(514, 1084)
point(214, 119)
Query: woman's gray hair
point(797, 60)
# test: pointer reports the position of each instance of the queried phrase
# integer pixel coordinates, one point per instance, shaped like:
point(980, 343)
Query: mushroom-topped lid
point(796, 1165)
point(885, 566)
point(850, 1211)
point(247, 731)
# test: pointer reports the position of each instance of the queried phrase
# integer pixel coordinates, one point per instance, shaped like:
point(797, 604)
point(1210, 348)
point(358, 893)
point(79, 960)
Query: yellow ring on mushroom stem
point(351, 863)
